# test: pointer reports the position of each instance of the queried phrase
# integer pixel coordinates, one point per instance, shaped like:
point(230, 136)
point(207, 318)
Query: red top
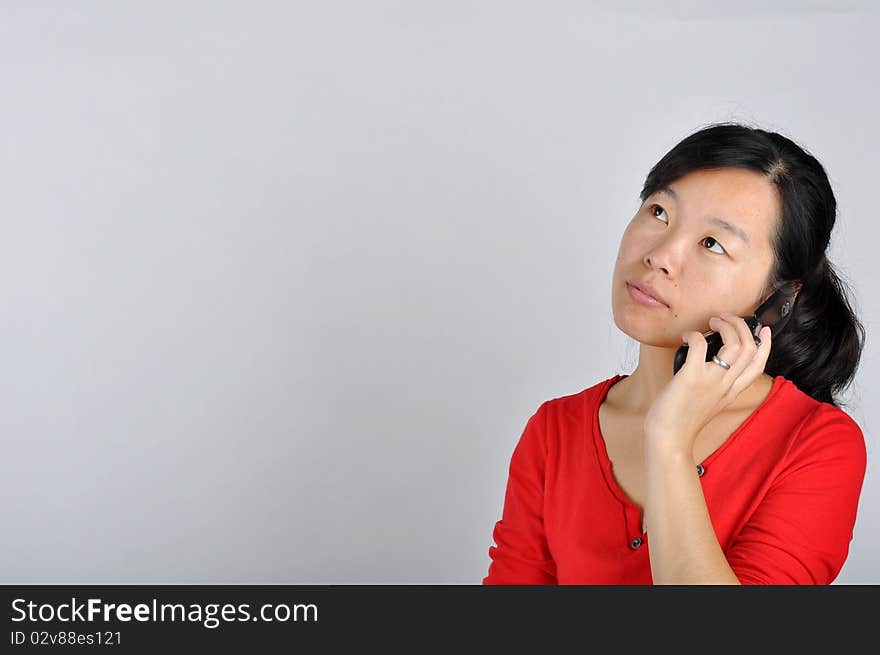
point(782, 493)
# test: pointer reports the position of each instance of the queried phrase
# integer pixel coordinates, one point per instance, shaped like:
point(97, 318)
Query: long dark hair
point(820, 347)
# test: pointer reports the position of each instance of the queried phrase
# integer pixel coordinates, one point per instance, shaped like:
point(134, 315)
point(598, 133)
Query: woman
point(738, 470)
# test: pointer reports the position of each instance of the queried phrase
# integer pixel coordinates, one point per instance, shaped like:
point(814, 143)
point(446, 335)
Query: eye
point(652, 209)
point(716, 243)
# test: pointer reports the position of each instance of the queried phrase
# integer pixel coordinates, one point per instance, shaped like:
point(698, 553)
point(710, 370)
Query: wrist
point(665, 447)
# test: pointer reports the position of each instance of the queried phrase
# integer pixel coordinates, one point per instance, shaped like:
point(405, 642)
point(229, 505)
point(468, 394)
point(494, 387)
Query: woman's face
point(698, 267)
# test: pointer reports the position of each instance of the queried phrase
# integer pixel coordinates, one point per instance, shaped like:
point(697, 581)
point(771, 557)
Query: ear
point(797, 287)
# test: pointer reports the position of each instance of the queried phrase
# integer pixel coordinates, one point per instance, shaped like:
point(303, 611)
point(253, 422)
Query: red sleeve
point(521, 555)
point(801, 530)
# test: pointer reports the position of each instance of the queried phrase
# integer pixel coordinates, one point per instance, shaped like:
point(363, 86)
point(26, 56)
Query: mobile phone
point(775, 312)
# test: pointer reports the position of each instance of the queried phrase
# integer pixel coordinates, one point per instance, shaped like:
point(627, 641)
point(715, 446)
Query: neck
point(654, 372)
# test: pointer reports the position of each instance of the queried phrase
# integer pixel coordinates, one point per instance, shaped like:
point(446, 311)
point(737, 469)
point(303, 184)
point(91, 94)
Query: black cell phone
point(774, 312)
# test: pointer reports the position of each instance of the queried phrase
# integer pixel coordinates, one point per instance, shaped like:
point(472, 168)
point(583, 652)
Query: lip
point(644, 294)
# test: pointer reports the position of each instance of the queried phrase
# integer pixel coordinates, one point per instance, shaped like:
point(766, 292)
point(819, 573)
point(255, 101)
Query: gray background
point(282, 282)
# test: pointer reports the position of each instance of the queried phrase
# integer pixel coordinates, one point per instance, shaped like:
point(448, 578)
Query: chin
point(648, 332)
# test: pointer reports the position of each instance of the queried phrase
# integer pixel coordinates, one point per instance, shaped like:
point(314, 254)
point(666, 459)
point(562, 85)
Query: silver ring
point(720, 362)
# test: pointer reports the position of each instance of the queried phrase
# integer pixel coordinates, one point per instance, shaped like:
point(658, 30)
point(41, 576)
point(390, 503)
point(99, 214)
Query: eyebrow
point(720, 222)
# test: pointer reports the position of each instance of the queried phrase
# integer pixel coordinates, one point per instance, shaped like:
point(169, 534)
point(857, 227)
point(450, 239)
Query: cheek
point(698, 303)
point(629, 244)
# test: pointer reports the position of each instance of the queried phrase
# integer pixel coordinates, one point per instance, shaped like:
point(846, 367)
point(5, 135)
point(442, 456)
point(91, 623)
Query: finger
point(697, 347)
point(746, 335)
point(730, 351)
point(748, 347)
point(763, 351)
point(756, 366)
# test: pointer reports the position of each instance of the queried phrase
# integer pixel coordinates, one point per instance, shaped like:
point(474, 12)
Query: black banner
point(152, 618)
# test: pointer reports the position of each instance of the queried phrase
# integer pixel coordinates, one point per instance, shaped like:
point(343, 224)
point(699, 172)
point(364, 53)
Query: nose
point(664, 251)
point(652, 262)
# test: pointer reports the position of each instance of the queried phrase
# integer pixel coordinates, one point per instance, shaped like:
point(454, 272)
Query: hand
point(700, 390)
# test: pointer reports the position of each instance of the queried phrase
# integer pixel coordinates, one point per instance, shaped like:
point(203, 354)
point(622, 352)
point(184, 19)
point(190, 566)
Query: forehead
point(741, 202)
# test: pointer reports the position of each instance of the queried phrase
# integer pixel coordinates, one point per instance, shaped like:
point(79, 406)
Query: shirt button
point(700, 470)
point(636, 543)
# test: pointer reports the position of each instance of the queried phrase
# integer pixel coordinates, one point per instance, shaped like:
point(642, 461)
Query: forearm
point(683, 548)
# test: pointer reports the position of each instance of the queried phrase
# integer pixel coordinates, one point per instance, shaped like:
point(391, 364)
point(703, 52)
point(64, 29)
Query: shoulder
point(828, 438)
point(831, 426)
point(574, 406)
point(565, 418)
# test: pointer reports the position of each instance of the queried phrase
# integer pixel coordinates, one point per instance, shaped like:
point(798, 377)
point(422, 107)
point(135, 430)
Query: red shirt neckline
point(605, 461)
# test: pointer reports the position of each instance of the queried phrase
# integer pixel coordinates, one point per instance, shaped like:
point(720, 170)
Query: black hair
point(820, 347)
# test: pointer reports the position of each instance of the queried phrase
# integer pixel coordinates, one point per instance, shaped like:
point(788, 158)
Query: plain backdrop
point(282, 281)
